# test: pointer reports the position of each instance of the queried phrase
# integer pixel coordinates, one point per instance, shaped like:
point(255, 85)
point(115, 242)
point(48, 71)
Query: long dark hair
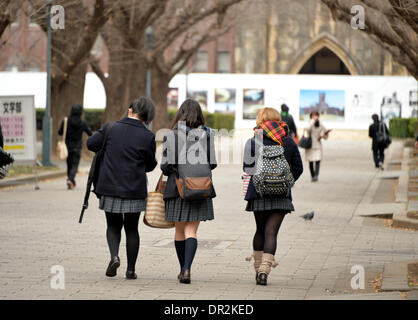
point(191, 113)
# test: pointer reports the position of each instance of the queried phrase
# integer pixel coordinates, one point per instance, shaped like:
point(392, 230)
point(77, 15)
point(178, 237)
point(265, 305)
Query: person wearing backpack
point(122, 182)
point(379, 133)
point(188, 158)
point(273, 160)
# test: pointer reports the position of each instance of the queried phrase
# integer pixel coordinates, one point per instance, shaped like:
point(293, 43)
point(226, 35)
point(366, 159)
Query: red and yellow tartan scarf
point(274, 130)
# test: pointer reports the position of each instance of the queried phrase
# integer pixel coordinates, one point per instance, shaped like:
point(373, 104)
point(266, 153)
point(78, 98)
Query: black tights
point(268, 225)
point(115, 222)
point(314, 171)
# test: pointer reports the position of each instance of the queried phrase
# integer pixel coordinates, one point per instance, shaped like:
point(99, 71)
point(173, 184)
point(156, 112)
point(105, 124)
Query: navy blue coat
point(130, 153)
point(291, 153)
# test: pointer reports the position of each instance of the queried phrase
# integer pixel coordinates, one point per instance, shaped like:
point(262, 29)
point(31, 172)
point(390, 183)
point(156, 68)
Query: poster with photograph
point(390, 107)
point(329, 103)
point(200, 96)
point(253, 101)
point(172, 98)
point(225, 101)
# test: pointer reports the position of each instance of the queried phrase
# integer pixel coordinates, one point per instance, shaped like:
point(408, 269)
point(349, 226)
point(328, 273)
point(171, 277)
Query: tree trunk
point(70, 92)
point(159, 90)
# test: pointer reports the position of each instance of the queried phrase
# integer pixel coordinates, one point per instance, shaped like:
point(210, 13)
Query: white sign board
point(18, 122)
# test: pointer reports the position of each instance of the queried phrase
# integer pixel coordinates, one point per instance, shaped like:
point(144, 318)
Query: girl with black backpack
point(272, 159)
point(188, 158)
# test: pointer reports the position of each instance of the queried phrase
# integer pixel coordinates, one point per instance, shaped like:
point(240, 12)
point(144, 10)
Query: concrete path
point(39, 230)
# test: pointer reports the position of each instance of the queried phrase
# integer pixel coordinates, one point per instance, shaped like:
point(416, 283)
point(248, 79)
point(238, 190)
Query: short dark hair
point(375, 117)
point(144, 108)
point(190, 112)
point(285, 108)
point(314, 113)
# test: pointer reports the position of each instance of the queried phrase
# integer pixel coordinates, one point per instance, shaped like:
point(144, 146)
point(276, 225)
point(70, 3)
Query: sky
point(334, 98)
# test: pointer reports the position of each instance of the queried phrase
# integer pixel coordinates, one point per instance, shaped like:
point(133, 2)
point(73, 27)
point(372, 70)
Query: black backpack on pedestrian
point(94, 172)
point(383, 139)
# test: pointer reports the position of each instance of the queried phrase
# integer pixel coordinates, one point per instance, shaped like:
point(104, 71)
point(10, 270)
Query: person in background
point(287, 117)
point(122, 183)
point(314, 154)
point(269, 210)
point(416, 141)
point(378, 150)
point(75, 128)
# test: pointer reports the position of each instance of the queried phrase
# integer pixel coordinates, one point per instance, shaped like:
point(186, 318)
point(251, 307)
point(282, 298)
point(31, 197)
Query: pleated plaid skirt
point(268, 204)
point(180, 210)
point(119, 205)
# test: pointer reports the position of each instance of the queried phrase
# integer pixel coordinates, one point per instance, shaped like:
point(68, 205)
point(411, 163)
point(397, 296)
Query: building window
point(201, 63)
point(223, 64)
point(12, 68)
point(34, 69)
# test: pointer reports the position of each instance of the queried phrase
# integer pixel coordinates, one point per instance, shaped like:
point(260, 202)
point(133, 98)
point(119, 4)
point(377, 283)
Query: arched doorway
point(324, 55)
point(324, 62)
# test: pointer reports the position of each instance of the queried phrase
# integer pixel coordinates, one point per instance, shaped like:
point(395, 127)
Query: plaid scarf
point(274, 130)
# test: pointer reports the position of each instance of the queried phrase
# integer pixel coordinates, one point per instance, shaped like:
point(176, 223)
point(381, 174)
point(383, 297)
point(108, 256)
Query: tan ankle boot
point(267, 261)
point(257, 256)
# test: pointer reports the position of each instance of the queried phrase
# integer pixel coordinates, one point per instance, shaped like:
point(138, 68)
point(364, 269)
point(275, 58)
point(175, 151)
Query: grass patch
point(19, 171)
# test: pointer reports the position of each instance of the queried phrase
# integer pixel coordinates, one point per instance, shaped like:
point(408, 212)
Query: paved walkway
point(39, 229)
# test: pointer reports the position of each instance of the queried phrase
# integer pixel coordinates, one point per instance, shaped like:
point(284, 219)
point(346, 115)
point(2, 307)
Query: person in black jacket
point(122, 182)
point(1, 138)
point(378, 149)
point(287, 117)
point(187, 215)
point(269, 211)
point(75, 128)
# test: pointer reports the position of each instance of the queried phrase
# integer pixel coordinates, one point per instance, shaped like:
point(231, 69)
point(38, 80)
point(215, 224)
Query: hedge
point(94, 119)
point(403, 127)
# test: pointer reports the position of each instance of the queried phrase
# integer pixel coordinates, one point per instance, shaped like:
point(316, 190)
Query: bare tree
point(70, 50)
point(129, 58)
point(8, 14)
point(187, 39)
point(393, 24)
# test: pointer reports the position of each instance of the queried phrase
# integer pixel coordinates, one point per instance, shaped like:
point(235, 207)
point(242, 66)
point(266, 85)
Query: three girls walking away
point(188, 153)
point(75, 128)
point(314, 154)
point(122, 182)
point(272, 159)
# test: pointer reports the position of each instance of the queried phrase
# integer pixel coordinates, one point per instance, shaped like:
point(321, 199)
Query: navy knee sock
point(190, 250)
point(180, 249)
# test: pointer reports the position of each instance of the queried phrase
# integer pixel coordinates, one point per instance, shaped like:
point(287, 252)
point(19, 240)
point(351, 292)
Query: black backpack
point(382, 138)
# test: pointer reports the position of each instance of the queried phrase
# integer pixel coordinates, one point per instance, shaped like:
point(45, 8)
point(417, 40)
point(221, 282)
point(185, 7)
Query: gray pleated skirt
point(119, 205)
point(268, 204)
point(180, 210)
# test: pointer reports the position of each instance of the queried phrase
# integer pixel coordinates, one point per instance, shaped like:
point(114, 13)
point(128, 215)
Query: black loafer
point(131, 275)
point(180, 276)
point(186, 277)
point(262, 279)
point(113, 266)
point(256, 278)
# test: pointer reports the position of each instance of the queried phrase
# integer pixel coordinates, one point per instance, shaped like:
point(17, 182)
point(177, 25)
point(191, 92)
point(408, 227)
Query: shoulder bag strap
point(65, 128)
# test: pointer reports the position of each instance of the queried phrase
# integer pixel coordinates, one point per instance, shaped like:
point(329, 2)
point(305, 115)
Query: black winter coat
point(75, 128)
point(130, 153)
point(291, 153)
point(170, 160)
point(373, 129)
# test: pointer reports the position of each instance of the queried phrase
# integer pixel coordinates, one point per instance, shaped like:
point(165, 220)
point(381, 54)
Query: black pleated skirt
point(180, 210)
point(269, 204)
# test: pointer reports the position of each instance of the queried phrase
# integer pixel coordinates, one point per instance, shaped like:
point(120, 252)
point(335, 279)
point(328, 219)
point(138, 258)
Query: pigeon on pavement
point(308, 216)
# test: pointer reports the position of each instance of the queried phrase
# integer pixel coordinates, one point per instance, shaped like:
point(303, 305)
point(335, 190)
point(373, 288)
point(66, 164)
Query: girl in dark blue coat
point(269, 211)
point(122, 182)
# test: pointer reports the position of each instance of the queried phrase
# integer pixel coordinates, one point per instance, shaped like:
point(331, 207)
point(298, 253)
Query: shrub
point(403, 128)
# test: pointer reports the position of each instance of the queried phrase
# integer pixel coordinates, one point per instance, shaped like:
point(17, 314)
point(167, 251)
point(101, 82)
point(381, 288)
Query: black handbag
point(306, 142)
point(6, 160)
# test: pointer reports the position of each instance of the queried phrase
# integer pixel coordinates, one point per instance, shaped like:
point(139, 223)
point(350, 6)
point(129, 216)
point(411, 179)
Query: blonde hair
point(268, 114)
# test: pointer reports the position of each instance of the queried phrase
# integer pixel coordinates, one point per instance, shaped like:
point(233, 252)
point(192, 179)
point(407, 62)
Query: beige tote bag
point(155, 210)
point(61, 146)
